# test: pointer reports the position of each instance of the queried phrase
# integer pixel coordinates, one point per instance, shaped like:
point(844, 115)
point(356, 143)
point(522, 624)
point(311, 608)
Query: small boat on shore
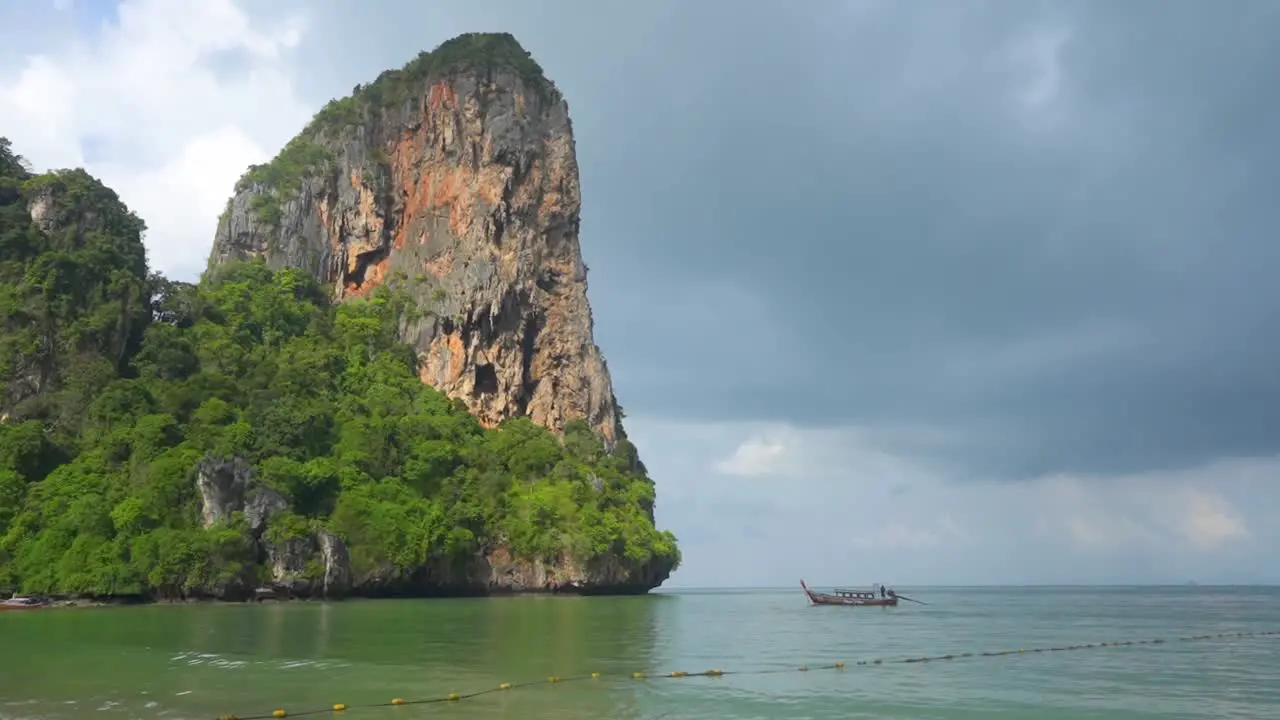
point(840, 596)
point(23, 603)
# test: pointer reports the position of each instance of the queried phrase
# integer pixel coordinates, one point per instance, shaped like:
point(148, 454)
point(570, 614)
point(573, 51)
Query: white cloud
point(1040, 52)
point(770, 453)
point(181, 197)
point(779, 450)
point(41, 112)
point(169, 132)
point(1183, 510)
point(1211, 521)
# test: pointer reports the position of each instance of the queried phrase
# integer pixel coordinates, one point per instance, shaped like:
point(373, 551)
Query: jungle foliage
point(116, 382)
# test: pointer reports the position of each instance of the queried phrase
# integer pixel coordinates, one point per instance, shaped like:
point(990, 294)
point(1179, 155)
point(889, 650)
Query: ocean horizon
point(974, 586)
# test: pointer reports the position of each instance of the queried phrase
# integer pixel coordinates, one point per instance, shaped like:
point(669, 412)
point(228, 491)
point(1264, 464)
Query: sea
point(1026, 652)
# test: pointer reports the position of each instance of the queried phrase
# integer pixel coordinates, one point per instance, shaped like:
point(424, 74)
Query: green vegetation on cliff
point(469, 52)
point(116, 384)
point(282, 177)
point(73, 301)
point(303, 157)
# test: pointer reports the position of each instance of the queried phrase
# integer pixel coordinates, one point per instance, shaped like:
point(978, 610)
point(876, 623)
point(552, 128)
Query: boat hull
point(23, 604)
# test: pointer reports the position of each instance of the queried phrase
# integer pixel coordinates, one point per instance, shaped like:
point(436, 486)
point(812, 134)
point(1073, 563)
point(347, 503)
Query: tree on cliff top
point(308, 154)
point(118, 382)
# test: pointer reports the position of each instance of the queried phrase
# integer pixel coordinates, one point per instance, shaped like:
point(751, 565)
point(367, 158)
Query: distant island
point(385, 384)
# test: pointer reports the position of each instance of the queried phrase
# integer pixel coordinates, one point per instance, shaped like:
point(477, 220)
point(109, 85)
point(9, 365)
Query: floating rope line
point(556, 679)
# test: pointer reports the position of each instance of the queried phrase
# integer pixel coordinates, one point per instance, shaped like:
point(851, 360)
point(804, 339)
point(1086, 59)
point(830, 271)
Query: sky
point(919, 292)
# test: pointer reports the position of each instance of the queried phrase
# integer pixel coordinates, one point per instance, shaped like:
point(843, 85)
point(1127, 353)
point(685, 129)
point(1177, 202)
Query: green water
point(202, 661)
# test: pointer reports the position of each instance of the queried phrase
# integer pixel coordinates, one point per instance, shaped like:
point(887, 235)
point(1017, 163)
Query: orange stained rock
point(456, 363)
point(374, 274)
point(441, 94)
point(327, 220)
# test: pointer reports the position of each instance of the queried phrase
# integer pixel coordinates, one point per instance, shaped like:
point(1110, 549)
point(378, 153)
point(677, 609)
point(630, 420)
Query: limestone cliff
point(456, 178)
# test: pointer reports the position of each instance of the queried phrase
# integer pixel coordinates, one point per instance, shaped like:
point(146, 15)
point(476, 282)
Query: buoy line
point(839, 665)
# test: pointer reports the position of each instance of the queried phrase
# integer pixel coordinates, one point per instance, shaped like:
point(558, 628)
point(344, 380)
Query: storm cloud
point(1039, 229)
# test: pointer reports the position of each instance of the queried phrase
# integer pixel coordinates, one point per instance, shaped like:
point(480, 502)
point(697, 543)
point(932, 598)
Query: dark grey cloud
point(853, 212)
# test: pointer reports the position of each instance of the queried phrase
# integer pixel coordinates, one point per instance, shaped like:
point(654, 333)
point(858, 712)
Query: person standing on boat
point(882, 592)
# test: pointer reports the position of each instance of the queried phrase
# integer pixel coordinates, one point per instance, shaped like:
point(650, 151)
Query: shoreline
point(55, 602)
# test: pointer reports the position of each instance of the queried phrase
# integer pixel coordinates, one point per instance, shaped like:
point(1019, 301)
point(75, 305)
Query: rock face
point(502, 573)
point(313, 563)
point(316, 563)
point(495, 572)
point(222, 484)
point(455, 177)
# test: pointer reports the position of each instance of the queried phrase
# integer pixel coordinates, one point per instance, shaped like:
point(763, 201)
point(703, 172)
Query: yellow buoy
point(715, 673)
point(595, 676)
point(553, 679)
point(453, 697)
point(339, 707)
point(504, 686)
point(397, 701)
point(678, 673)
point(637, 675)
point(279, 713)
point(840, 665)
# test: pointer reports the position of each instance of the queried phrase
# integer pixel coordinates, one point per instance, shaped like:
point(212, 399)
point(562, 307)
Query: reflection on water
point(208, 660)
point(322, 631)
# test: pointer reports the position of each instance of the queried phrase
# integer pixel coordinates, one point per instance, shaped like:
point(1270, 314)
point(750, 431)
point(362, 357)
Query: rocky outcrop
point(456, 178)
point(502, 573)
point(41, 207)
point(221, 484)
point(316, 563)
point(494, 571)
point(260, 505)
point(313, 563)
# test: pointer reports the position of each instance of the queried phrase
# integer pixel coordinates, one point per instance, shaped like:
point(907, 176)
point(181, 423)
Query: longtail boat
point(841, 596)
point(23, 603)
